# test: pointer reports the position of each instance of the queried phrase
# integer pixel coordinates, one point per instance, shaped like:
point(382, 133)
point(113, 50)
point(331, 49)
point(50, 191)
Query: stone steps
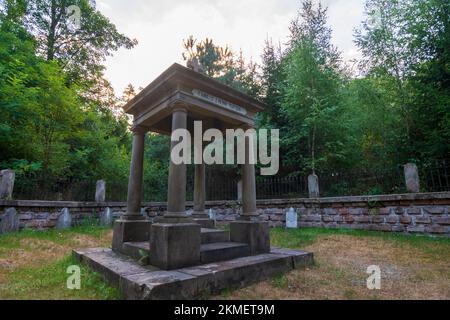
point(148, 283)
point(214, 235)
point(221, 251)
point(137, 250)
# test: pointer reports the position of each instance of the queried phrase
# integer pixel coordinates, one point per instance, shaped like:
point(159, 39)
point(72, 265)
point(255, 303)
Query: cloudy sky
point(161, 26)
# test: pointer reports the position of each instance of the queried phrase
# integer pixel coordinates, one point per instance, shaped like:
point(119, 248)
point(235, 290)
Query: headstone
point(64, 220)
point(212, 214)
point(239, 190)
point(412, 178)
point(106, 218)
point(6, 184)
point(10, 221)
point(291, 219)
point(313, 186)
point(100, 191)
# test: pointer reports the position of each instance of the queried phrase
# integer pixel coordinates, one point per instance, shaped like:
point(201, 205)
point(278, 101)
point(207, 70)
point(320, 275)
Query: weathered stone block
point(349, 219)
point(175, 246)
point(437, 229)
point(130, 231)
point(398, 228)
point(414, 210)
point(422, 220)
point(405, 219)
point(355, 211)
point(382, 227)
point(377, 219)
point(442, 221)
point(416, 229)
point(327, 219)
point(362, 219)
point(9, 221)
point(254, 233)
point(392, 219)
point(385, 211)
point(330, 211)
point(435, 210)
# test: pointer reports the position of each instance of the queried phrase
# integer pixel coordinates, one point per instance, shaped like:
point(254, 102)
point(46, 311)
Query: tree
point(222, 64)
point(79, 51)
point(312, 91)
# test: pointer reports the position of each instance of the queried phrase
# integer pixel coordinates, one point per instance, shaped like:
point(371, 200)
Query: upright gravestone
point(64, 220)
point(10, 221)
point(106, 218)
point(212, 214)
point(412, 178)
point(6, 184)
point(313, 186)
point(100, 191)
point(291, 219)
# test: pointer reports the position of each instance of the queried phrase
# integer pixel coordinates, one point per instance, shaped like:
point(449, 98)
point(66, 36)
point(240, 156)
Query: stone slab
point(149, 283)
point(220, 251)
point(214, 235)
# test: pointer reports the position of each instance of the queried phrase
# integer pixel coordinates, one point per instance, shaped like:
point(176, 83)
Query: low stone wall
point(427, 213)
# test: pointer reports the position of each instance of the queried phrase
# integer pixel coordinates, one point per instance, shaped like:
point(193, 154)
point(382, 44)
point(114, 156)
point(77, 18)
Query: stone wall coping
point(351, 199)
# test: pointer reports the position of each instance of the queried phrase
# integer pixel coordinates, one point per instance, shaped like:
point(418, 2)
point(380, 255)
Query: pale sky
point(161, 25)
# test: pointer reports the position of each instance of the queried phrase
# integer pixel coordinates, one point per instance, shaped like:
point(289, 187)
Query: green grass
point(298, 238)
point(50, 282)
point(12, 240)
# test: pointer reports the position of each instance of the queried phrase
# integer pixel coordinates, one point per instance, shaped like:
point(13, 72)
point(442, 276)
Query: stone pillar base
point(254, 233)
point(130, 231)
point(205, 223)
point(174, 246)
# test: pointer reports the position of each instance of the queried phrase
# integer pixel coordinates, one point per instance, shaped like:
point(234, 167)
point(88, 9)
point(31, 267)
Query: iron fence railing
point(435, 176)
point(222, 185)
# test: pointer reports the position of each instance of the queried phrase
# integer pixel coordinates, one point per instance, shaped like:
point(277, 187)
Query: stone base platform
point(139, 282)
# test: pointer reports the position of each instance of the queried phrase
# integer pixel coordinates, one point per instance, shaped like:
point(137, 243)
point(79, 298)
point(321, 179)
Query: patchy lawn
point(33, 266)
point(412, 267)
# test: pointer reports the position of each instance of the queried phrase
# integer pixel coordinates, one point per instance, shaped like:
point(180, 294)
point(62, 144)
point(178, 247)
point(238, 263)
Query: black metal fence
point(435, 176)
point(222, 185)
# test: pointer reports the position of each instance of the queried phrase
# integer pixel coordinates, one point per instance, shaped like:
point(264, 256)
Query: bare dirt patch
point(407, 272)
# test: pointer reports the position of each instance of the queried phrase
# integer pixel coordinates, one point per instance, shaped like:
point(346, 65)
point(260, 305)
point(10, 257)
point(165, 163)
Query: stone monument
point(186, 254)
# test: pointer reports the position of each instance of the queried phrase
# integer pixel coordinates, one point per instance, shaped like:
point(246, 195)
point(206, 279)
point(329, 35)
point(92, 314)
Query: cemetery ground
point(33, 266)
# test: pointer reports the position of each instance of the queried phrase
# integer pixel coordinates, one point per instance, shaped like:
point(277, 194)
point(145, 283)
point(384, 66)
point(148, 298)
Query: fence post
point(6, 184)
point(412, 178)
point(313, 186)
point(239, 190)
point(100, 191)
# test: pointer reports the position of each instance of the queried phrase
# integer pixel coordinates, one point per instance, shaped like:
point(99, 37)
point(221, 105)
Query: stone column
point(249, 210)
point(412, 178)
point(136, 176)
point(199, 192)
point(6, 184)
point(176, 196)
point(132, 226)
point(249, 228)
